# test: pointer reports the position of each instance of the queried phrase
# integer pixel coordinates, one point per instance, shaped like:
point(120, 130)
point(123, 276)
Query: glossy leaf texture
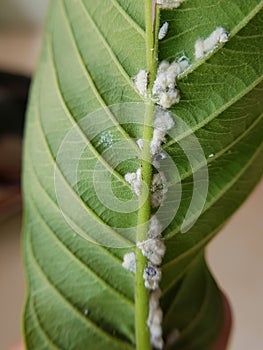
point(79, 295)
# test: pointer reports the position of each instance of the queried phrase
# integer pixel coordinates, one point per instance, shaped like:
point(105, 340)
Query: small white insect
point(152, 276)
point(211, 155)
point(155, 228)
point(156, 334)
point(205, 46)
point(169, 4)
point(157, 343)
point(154, 321)
point(163, 30)
point(153, 249)
point(156, 142)
point(86, 312)
point(141, 82)
point(140, 143)
point(163, 122)
point(135, 180)
point(129, 262)
point(154, 302)
point(184, 64)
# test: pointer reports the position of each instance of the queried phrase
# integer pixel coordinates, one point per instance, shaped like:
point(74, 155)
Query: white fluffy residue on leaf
point(129, 262)
point(155, 228)
point(157, 140)
point(205, 46)
point(106, 139)
point(158, 189)
point(141, 82)
point(158, 182)
point(163, 122)
point(153, 249)
point(164, 89)
point(163, 30)
point(157, 158)
point(135, 180)
point(169, 4)
point(154, 321)
point(158, 197)
point(152, 276)
point(168, 98)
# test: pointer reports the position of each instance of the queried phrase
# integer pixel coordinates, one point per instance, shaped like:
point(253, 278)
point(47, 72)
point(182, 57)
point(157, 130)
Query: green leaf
point(79, 295)
point(200, 307)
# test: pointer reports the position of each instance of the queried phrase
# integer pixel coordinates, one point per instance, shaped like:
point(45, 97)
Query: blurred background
point(235, 255)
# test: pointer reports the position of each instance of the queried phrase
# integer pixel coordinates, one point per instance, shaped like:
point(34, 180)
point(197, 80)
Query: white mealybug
point(140, 143)
point(153, 249)
point(152, 276)
point(155, 228)
point(163, 122)
point(141, 82)
point(135, 180)
point(153, 304)
point(169, 98)
point(158, 138)
point(129, 262)
point(154, 321)
point(163, 30)
point(164, 91)
point(169, 4)
point(205, 46)
point(155, 329)
point(86, 312)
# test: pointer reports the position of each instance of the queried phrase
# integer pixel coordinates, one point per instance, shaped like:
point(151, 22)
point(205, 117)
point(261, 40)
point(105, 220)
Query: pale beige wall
point(22, 12)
